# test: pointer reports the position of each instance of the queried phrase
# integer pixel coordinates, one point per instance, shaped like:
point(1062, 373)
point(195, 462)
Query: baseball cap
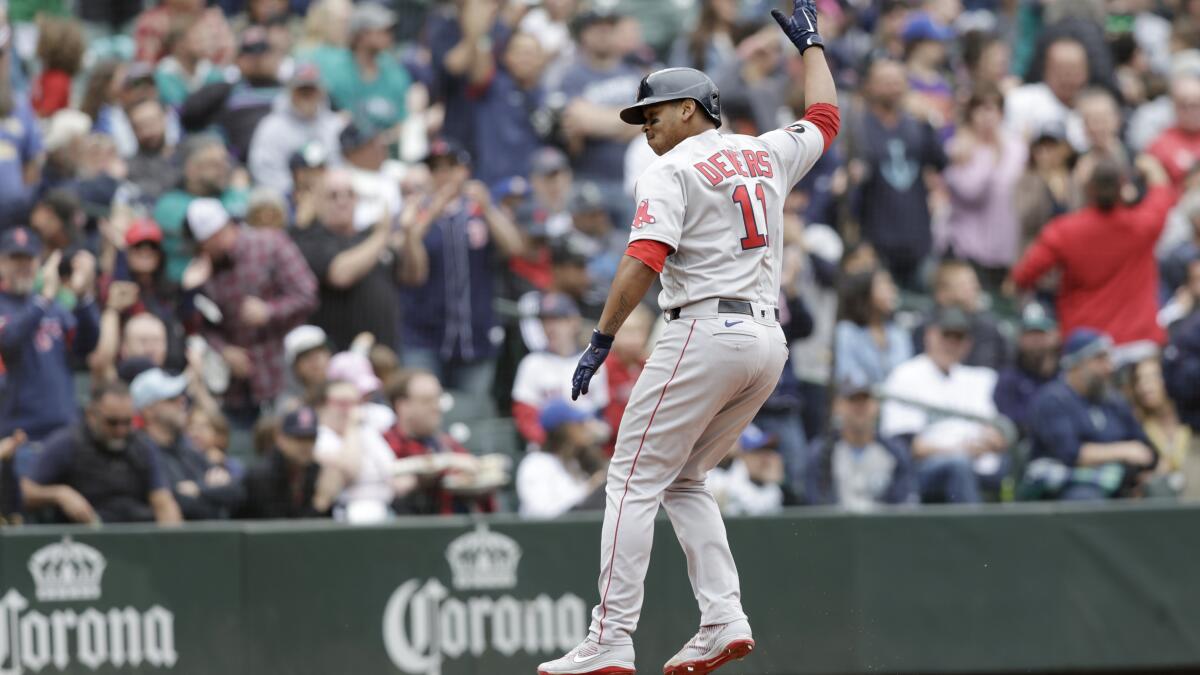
point(311, 155)
point(156, 385)
point(851, 386)
point(952, 319)
point(1035, 318)
point(65, 126)
point(129, 369)
point(547, 161)
point(587, 198)
point(206, 217)
point(445, 147)
point(302, 340)
point(20, 241)
point(1082, 344)
point(567, 251)
point(300, 423)
point(513, 186)
point(265, 195)
point(559, 412)
point(356, 134)
point(254, 41)
point(921, 26)
point(753, 438)
point(1051, 131)
point(354, 368)
point(306, 75)
point(143, 230)
point(370, 16)
point(557, 306)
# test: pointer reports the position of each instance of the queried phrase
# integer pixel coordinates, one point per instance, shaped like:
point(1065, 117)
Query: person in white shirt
point(1031, 108)
point(376, 179)
point(752, 484)
point(360, 459)
point(943, 408)
point(556, 478)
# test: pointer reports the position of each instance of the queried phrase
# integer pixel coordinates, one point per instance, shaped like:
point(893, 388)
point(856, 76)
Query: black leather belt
point(726, 307)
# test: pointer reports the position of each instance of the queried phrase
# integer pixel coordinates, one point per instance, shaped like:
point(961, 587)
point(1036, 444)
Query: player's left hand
point(589, 363)
point(801, 26)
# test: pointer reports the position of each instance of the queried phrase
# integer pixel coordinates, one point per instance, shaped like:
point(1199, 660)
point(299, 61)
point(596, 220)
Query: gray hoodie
point(283, 132)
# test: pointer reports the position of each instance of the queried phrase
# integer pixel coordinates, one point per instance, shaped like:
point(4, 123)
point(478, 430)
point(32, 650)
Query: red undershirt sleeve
point(652, 253)
point(825, 116)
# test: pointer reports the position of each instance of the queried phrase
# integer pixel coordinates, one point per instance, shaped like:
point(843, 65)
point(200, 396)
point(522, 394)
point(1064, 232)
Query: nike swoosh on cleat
point(585, 659)
point(731, 324)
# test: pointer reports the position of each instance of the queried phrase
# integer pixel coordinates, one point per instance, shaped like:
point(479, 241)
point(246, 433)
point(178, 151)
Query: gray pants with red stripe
point(704, 382)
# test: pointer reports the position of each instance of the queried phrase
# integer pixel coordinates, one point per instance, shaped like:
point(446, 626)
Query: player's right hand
point(801, 26)
point(589, 363)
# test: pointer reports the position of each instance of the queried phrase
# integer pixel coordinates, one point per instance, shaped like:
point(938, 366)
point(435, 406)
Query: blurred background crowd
point(293, 258)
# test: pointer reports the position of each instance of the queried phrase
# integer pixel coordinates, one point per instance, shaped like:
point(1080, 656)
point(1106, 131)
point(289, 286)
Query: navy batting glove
point(801, 26)
point(590, 362)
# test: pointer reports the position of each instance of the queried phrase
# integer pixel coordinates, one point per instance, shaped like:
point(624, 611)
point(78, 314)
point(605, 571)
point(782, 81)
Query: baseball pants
point(706, 378)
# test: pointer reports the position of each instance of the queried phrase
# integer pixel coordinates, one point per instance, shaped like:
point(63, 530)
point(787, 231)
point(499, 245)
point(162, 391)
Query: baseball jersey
point(717, 201)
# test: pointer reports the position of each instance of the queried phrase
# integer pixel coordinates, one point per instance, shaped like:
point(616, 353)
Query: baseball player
point(709, 221)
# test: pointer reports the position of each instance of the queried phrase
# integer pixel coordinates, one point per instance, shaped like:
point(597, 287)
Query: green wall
point(1028, 588)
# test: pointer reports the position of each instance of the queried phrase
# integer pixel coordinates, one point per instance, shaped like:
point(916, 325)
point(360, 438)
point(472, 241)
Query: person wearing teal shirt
point(366, 79)
point(206, 173)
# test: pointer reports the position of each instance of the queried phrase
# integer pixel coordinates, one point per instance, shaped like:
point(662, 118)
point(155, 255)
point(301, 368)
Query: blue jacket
point(1181, 368)
point(1061, 422)
point(35, 336)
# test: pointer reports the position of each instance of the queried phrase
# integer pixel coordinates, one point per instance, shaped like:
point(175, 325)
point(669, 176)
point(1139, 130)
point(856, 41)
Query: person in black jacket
point(284, 483)
point(203, 490)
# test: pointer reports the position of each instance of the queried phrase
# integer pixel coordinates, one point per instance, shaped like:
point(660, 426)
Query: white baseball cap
point(206, 217)
point(156, 385)
point(302, 339)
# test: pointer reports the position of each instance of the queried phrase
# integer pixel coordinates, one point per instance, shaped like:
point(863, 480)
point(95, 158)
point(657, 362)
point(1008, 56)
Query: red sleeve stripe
point(825, 116)
point(652, 253)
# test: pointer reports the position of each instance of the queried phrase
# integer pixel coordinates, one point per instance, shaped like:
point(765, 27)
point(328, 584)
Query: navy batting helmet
point(672, 84)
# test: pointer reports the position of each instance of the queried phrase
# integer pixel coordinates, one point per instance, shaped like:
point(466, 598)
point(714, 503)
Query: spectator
point(152, 25)
point(202, 490)
point(1036, 365)
point(206, 173)
point(20, 143)
point(60, 49)
point(944, 411)
point(147, 269)
point(1145, 388)
point(1079, 424)
point(355, 271)
point(65, 134)
point(890, 150)
point(98, 471)
point(366, 79)
point(561, 475)
point(551, 180)
point(1032, 108)
point(447, 262)
point(359, 457)
point(1178, 148)
point(1175, 261)
point(58, 220)
point(1181, 364)
point(955, 284)
point(186, 67)
point(416, 398)
point(549, 23)
point(1101, 119)
point(595, 85)
point(208, 430)
point(283, 484)
point(266, 209)
point(154, 169)
point(595, 234)
point(631, 348)
point(546, 375)
point(1105, 253)
point(753, 484)
point(502, 97)
point(236, 108)
point(709, 45)
point(306, 353)
point(868, 343)
point(855, 468)
point(986, 163)
point(460, 43)
point(925, 53)
point(376, 180)
point(300, 115)
point(39, 336)
point(1047, 189)
point(263, 288)
point(308, 165)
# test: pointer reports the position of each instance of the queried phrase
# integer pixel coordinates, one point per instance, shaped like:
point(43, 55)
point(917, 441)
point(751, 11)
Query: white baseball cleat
point(711, 648)
point(590, 658)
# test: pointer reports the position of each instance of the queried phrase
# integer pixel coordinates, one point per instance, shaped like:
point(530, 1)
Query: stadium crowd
point(299, 258)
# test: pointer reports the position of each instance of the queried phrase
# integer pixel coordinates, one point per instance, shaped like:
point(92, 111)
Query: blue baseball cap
point(754, 438)
point(513, 186)
point(1083, 344)
point(921, 26)
point(557, 306)
point(300, 423)
point(559, 412)
point(20, 241)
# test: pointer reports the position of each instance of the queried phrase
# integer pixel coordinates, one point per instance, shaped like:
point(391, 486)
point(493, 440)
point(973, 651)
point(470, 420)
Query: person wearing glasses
point(98, 471)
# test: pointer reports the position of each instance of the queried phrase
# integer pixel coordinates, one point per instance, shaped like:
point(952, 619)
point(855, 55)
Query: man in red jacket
point(1105, 252)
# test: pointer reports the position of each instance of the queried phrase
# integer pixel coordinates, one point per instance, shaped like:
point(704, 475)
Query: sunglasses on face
point(117, 422)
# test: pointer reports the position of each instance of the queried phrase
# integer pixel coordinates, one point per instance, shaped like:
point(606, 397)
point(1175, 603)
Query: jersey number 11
point(741, 195)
